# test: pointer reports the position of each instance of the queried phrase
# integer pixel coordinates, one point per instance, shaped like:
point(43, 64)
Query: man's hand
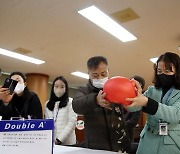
point(102, 101)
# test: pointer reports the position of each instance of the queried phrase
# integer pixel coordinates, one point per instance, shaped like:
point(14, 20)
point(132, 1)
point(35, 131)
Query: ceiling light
point(6, 73)
point(80, 74)
point(154, 59)
point(20, 56)
point(102, 20)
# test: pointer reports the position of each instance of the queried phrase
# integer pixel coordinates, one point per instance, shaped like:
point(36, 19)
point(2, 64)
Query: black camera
point(10, 84)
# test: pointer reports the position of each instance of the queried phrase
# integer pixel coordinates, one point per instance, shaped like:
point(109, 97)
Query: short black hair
point(168, 58)
point(94, 62)
point(140, 80)
point(20, 74)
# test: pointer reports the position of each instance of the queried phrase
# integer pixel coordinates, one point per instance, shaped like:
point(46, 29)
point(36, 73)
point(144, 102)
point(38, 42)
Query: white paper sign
point(26, 136)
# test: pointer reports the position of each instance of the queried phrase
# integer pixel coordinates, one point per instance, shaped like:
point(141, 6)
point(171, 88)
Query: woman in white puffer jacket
point(59, 108)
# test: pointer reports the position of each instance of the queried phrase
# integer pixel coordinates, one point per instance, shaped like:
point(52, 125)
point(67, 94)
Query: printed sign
point(80, 125)
point(26, 136)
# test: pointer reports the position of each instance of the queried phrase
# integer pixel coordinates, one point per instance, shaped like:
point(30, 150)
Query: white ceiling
point(56, 33)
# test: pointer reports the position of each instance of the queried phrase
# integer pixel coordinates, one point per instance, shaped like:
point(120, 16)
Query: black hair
point(169, 59)
point(63, 100)
point(20, 74)
point(94, 62)
point(140, 80)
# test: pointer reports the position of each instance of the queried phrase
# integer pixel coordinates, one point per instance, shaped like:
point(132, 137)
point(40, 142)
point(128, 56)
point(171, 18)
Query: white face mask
point(19, 88)
point(99, 83)
point(59, 92)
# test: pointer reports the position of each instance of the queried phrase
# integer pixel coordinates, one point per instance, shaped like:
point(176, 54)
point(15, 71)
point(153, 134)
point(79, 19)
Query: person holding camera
point(22, 103)
point(59, 108)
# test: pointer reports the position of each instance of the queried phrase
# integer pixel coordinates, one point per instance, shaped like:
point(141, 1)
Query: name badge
point(163, 129)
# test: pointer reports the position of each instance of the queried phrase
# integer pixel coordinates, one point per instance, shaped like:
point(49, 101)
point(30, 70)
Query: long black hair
point(169, 59)
point(63, 100)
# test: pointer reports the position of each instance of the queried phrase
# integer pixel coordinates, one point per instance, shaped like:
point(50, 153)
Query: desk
point(58, 149)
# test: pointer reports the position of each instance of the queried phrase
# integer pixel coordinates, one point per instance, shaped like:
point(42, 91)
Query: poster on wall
point(26, 136)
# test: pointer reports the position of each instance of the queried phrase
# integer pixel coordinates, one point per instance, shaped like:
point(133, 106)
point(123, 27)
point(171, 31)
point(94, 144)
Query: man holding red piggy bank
point(104, 121)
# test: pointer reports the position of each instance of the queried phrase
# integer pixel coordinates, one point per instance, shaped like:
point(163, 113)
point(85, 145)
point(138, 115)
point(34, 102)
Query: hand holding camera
point(3, 92)
point(6, 91)
point(10, 84)
point(5, 95)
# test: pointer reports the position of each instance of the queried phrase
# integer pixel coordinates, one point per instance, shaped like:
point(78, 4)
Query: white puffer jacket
point(65, 122)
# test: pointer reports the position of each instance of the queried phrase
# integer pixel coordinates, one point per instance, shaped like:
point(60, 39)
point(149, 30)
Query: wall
point(2, 79)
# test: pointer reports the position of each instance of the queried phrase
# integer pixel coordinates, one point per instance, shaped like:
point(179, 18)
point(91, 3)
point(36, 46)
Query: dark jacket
point(31, 106)
point(104, 128)
point(131, 120)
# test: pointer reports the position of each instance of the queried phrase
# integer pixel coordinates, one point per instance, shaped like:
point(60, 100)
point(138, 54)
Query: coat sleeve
point(48, 114)
point(71, 124)
point(84, 103)
point(168, 113)
point(36, 108)
point(5, 111)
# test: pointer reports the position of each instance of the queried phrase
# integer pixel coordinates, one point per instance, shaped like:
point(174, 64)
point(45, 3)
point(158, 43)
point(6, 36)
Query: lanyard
point(168, 95)
point(55, 118)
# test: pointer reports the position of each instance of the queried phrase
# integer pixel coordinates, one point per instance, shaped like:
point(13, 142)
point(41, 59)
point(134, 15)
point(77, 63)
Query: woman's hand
point(3, 92)
point(5, 95)
point(140, 100)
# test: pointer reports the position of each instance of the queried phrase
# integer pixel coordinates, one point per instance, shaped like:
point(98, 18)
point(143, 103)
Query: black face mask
point(166, 81)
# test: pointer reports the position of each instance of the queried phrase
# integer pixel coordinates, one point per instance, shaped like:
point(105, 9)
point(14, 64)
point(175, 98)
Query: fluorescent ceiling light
point(102, 20)
point(80, 74)
point(50, 82)
point(5, 73)
point(154, 59)
point(20, 56)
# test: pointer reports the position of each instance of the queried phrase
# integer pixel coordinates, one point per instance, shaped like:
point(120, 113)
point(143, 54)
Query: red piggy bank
point(119, 88)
